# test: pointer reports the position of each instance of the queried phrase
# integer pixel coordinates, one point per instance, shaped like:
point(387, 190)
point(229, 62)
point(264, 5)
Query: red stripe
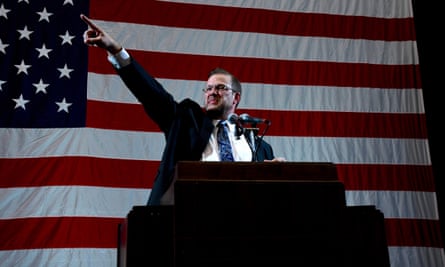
point(413, 232)
point(59, 232)
point(140, 174)
point(386, 177)
point(269, 71)
point(121, 116)
point(77, 171)
point(85, 232)
point(109, 115)
point(255, 20)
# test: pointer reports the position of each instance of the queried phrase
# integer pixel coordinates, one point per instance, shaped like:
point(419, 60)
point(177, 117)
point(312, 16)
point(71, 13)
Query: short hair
point(236, 85)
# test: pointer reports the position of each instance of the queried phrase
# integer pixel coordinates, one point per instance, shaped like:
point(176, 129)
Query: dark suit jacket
point(186, 126)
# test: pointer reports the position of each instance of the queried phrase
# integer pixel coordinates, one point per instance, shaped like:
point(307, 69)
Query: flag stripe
point(56, 257)
point(283, 47)
point(139, 174)
point(416, 256)
point(405, 256)
point(284, 123)
point(396, 230)
point(108, 172)
point(259, 96)
point(101, 143)
point(417, 204)
point(108, 202)
point(65, 201)
point(258, 20)
point(77, 232)
point(256, 70)
point(237, 44)
point(386, 177)
point(67, 232)
point(127, 145)
point(377, 8)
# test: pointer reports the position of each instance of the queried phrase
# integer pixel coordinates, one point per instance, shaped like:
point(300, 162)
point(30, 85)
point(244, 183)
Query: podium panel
point(261, 223)
point(258, 214)
point(365, 237)
point(146, 237)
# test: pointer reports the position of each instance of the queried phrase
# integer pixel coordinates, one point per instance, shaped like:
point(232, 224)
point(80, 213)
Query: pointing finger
point(89, 23)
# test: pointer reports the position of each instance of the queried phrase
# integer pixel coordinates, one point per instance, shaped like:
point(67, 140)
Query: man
point(189, 129)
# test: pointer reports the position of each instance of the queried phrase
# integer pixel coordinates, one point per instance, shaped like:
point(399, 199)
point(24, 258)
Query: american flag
point(339, 80)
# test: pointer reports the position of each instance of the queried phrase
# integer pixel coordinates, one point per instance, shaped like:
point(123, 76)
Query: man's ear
point(236, 99)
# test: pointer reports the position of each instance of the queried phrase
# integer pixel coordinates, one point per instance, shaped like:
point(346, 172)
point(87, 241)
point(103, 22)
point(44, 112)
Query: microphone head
point(232, 118)
point(245, 117)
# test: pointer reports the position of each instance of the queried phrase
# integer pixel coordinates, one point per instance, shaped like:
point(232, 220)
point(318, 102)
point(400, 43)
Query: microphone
point(233, 118)
point(246, 118)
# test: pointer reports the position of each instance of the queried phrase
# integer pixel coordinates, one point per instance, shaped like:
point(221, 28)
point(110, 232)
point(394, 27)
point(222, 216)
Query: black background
point(429, 29)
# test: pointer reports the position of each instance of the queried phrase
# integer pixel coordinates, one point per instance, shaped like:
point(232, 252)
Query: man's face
point(219, 99)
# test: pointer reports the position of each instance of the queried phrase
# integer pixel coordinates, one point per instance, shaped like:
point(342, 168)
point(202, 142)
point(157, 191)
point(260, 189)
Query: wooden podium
point(254, 214)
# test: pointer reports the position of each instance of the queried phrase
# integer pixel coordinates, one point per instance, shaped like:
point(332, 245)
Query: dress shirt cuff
point(120, 59)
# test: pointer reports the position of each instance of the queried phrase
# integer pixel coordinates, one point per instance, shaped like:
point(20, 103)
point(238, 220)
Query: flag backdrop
point(339, 80)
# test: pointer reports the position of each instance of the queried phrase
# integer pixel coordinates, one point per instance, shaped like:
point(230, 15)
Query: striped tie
point(225, 149)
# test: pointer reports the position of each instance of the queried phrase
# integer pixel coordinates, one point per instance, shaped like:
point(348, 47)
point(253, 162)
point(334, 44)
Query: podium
point(254, 214)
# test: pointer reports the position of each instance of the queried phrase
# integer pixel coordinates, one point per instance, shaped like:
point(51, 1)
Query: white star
point(68, 2)
point(43, 52)
point(22, 67)
point(63, 105)
point(65, 71)
point(1, 82)
point(3, 46)
point(44, 15)
point(25, 33)
point(20, 102)
point(41, 87)
point(66, 38)
point(4, 11)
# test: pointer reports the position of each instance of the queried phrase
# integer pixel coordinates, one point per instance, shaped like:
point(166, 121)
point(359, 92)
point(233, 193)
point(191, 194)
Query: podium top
point(260, 171)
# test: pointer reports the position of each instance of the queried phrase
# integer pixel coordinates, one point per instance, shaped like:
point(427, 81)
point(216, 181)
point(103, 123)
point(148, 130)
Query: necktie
point(225, 149)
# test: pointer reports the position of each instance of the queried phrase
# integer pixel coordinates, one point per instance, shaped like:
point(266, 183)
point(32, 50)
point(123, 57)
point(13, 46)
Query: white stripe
point(92, 257)
point(110, 88)
point(73, 257)
point(374, 8)
point(59, 201)
point(327, 98)
point(416, 256)
point(30, 143)
point(397, 204)
point(55, 142)
point(270, 46)
point(352, 150)
point(85, 257)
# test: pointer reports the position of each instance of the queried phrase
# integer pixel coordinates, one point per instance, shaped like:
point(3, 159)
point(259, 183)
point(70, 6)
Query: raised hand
point(96, 36)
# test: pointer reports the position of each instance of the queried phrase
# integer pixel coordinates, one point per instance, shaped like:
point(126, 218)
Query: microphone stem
point(251, 142)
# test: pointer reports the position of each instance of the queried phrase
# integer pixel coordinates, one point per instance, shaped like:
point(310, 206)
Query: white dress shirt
point(240, 147)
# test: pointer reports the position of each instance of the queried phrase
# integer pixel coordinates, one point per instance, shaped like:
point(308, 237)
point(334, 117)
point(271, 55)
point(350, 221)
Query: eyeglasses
point(219, 88)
